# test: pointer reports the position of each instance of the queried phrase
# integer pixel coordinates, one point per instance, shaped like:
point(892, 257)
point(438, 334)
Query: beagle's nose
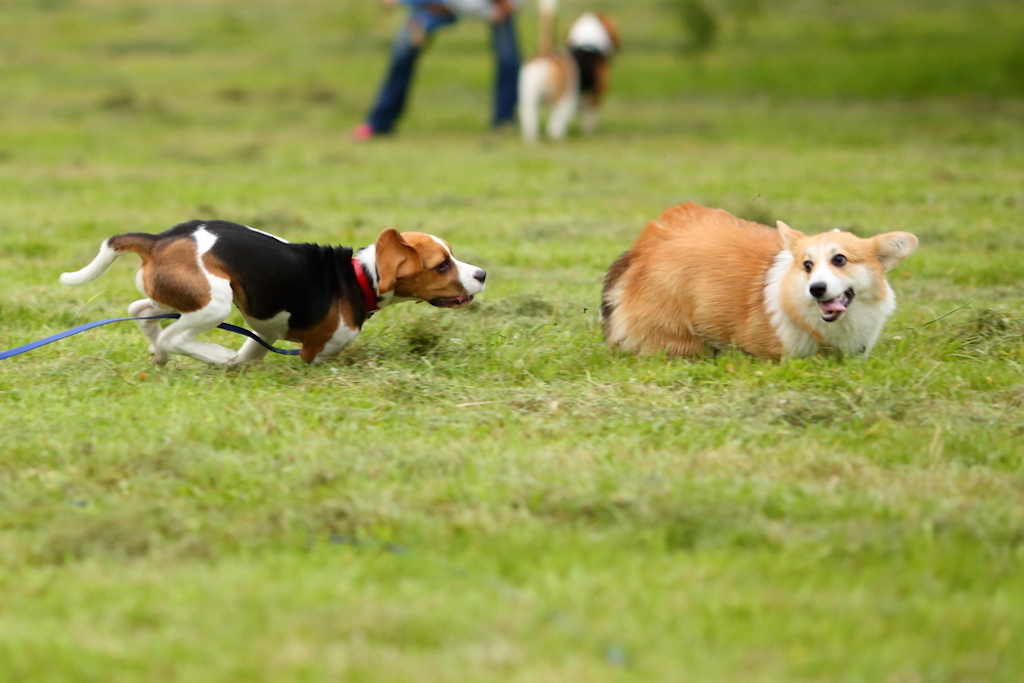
point(480, 275)
point(817, 289)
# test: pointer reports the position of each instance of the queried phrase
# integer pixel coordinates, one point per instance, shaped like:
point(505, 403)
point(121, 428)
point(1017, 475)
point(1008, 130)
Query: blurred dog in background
point(562, 79)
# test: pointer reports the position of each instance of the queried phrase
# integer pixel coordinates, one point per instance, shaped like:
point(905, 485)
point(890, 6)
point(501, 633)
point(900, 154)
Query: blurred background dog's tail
point(547, 27)
point(110, 249)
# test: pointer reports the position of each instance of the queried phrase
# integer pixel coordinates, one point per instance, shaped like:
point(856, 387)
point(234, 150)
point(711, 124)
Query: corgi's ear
point(395, 260)
point(893, 247)
point(789, 235)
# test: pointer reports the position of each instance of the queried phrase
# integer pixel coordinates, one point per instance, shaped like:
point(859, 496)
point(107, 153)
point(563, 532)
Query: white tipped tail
point(92, 271)
point(547, 26)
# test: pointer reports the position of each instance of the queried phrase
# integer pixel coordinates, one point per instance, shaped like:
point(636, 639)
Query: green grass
point(490, 494)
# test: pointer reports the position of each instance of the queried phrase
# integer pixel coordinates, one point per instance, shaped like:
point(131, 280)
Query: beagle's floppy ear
point(789, 235)
point(893, 247)
point(395, 260)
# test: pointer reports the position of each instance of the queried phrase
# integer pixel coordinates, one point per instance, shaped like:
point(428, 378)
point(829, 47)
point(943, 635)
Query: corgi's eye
point(808, 265)
point(839, 260)
point(444, 266)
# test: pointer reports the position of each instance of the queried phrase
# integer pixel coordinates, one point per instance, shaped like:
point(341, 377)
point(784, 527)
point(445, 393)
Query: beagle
point(314, 295)
point(564, 79)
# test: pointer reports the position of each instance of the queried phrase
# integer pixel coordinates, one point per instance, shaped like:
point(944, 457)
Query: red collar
point(369, 295)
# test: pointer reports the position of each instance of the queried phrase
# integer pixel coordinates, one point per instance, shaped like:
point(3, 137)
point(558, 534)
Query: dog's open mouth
point(452, 302)
point(833, 308)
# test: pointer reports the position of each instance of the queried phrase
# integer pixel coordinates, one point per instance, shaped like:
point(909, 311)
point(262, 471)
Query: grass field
point(490, 494)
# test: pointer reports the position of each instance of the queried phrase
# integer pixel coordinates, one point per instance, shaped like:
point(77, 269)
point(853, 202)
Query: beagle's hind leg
point(180, 336)
point(150, 328)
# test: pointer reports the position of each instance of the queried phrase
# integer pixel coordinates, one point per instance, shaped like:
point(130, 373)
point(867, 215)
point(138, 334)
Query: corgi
point(564, 79)
point(700, 280)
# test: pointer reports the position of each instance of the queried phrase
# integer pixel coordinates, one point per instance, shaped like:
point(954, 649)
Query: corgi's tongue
point(832, 305)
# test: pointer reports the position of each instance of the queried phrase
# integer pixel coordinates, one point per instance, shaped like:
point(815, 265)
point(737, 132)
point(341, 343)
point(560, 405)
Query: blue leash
point(88, 326)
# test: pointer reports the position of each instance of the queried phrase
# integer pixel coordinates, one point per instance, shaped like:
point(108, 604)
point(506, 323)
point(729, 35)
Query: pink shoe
point(362, 132)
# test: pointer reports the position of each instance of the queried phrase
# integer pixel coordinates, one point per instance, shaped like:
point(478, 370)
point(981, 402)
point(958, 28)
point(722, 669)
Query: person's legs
point(391, 99)
point(506, 80)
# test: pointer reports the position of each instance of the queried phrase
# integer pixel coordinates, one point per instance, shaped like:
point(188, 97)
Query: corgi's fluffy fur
point(563, 79)
point(701, 279)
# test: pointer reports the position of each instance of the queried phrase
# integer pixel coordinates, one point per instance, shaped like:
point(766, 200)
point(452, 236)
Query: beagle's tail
point(110, 249)
point(547, 27)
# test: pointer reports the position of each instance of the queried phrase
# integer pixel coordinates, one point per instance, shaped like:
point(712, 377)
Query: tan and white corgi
point(700, 279)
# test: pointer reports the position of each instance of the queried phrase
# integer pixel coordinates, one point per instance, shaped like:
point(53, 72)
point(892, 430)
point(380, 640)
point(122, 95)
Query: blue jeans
point(390, 102)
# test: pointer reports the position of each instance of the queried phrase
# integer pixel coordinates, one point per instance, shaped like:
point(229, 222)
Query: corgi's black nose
point(817, 289)
point(480, 275)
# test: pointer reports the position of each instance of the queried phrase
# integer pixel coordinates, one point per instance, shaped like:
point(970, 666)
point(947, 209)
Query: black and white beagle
point(315, 295)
